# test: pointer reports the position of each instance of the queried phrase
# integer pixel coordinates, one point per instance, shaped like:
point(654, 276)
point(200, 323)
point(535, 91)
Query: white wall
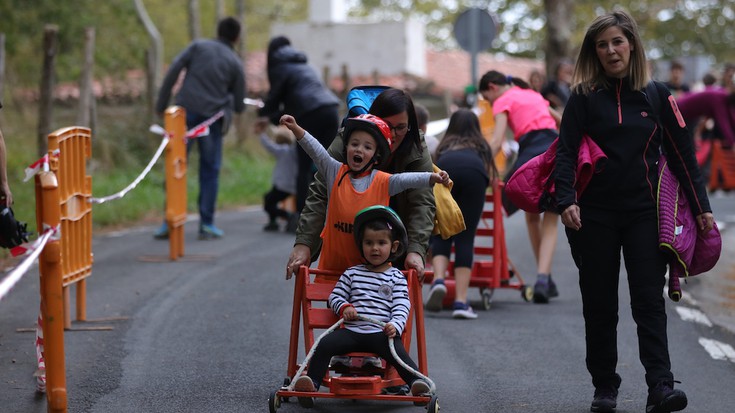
point(389, 47)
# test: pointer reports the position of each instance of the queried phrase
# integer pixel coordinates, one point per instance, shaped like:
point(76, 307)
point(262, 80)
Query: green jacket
point(415, 206)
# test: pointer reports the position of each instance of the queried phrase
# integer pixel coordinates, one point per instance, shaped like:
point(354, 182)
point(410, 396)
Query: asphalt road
point(209, 333)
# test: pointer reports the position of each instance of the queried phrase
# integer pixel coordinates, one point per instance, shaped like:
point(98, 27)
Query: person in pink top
point(534, 125)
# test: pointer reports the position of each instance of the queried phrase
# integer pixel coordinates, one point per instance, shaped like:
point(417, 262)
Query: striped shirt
point(379, 295)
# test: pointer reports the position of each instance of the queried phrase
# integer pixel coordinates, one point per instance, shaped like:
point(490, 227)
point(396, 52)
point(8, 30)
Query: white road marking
point(718, 350)
point(691, 314)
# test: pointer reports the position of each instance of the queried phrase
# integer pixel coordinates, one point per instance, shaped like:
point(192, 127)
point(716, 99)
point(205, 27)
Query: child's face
point(377, 246)
point(361, 148)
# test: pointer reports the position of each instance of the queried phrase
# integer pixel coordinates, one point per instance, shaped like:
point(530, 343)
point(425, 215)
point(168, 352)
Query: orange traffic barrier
point(175, 160)
point(74, 147)
point(48, 215)
point(487, 124)
point(722, 170)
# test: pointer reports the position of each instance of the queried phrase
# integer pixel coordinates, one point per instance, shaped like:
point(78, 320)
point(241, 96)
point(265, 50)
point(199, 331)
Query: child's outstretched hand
point(390, 330)
point(441, 177)
point(290, 122)
point(349, 314)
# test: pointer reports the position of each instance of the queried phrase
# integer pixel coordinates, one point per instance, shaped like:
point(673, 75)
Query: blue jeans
point(210, 161)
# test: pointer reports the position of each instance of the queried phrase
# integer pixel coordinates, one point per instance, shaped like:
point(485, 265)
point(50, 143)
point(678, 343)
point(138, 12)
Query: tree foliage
point(669, 28)
point(121, 41)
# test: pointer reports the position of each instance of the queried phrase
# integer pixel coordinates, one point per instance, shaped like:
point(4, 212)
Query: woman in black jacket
point(617, 210)
point(295, 88)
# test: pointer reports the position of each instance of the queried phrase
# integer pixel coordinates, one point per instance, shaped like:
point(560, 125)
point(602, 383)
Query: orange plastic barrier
point(175, 160)
point(74, 146)
point(722, 172)
point(48, 213)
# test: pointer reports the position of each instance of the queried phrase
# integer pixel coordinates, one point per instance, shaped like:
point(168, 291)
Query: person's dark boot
point(664, 398)
point(605, 400)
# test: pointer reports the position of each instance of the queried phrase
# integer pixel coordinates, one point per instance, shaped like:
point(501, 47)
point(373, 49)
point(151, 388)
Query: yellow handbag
point(448, 220)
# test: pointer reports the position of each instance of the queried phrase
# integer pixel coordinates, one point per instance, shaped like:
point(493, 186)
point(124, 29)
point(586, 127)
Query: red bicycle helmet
point(376, 127)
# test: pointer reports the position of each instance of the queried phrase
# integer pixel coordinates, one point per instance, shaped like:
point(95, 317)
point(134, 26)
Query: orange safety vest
point(339, 250)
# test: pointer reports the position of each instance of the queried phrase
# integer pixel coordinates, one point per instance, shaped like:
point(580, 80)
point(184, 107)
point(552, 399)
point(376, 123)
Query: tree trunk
point(2, 66)
point(219, 11)
point(558, 32)
point(155, 57)
point(241, 125)
point(241, 14)
point(194, 26)
point(86, 94)
point(50, 48)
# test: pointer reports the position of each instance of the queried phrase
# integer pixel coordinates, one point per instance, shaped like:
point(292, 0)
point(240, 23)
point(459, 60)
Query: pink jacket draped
point(531, 187)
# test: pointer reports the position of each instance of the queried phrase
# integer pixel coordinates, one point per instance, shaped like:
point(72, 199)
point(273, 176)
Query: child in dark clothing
point(283, 148)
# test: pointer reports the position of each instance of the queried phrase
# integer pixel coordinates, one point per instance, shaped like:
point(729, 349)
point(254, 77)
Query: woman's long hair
point(463, 132)
point(391, 102)
point(589, 73)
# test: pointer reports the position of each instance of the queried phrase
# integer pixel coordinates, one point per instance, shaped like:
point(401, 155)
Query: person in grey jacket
point(214, 82)
point(295, 88)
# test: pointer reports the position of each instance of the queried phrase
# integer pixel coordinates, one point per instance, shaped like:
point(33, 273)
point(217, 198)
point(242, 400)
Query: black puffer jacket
point(295, 87)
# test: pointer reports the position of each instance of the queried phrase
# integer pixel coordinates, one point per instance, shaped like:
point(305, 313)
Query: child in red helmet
point(368, 142)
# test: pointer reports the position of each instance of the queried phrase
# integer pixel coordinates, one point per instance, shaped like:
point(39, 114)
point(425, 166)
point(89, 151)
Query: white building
point(331, 41)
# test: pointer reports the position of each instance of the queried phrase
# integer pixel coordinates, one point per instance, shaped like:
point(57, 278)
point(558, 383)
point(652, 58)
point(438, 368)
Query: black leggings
point(469, 191)
point(343, 341)
point(596, 251)
point(270, 204)
point(322, 124)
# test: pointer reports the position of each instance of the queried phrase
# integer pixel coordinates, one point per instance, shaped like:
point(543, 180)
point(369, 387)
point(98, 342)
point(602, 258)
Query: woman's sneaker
point(436, 296)
point(541, 290)
point(664, 399)
point(463, 310)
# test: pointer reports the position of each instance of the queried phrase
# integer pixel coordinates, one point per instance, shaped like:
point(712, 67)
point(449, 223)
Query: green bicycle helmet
point(387, 215)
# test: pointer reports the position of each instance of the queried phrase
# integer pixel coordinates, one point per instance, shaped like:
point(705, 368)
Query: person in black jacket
point(295, 88)
point(617, 210)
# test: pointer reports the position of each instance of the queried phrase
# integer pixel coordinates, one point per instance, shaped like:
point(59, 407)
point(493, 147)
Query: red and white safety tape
point(35, 249)
point(202, 129)
point(199, 130)
point(39, 165)
point(40, 373)
point(166, 137)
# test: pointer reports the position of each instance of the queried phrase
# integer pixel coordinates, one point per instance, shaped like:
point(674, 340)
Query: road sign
point(475, 30)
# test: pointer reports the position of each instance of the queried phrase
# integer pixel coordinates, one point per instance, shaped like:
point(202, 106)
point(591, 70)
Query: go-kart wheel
point(274, 402)
point(487, 297)
point(433, 406)
point(527, 293)
point(286, 382)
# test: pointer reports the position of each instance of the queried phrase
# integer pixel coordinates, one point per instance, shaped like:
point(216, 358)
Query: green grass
point(119, 154)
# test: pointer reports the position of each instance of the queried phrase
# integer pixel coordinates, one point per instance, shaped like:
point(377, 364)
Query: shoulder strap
point(654, 99)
